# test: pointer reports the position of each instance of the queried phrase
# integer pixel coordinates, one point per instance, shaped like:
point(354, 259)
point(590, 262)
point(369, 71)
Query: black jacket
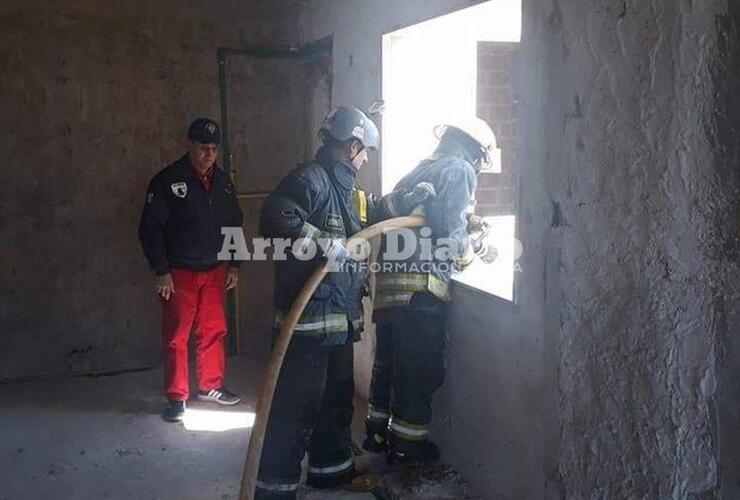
point(181, 222)
point(315, 201)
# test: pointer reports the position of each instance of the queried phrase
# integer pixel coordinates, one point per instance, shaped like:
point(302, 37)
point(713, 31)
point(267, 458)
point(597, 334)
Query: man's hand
point(164, 286)
point(232, 277)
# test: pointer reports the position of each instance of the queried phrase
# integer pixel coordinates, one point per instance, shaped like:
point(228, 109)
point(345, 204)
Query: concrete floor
point(103, 437)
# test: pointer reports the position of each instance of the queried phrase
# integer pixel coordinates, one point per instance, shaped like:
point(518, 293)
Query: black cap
point(205, 131)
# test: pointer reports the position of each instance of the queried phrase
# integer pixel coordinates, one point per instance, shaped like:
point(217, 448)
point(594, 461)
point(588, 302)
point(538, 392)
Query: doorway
point(272, 98)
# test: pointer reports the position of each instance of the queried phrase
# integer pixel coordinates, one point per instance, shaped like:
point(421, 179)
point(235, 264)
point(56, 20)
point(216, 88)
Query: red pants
point(198, 301)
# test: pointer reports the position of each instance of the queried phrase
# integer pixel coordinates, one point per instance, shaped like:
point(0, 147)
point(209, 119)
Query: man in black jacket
point(317, 205)
point(187, 205)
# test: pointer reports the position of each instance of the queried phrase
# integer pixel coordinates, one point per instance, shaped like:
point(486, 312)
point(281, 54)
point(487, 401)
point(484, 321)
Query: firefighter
point(317, 206)
point(411, 298)
point(187, 205)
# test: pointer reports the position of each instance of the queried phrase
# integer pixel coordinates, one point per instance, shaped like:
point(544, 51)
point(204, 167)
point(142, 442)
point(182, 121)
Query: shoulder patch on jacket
point(179, 189)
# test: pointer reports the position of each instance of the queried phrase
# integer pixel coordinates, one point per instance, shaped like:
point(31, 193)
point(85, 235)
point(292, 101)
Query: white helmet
point(481, 133)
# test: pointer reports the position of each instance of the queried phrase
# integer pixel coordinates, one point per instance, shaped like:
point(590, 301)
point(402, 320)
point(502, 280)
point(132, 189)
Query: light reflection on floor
point(217, 420)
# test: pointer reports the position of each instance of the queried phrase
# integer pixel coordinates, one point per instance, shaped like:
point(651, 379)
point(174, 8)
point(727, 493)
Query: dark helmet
point(345, 123)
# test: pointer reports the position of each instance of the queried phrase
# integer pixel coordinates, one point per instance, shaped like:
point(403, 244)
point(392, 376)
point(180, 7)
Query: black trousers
point(408, 368)
point(311, 411)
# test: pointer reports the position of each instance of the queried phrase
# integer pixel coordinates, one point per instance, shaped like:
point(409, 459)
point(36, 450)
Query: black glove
point(421, 193)
point(411, 199)
point(401, 203)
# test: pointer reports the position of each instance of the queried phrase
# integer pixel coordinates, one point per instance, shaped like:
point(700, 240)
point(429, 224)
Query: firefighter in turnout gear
point(411, 297)
point(317, 206)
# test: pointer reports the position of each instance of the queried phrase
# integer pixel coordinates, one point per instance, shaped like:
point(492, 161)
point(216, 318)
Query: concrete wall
point(489, 414)
point(94, 99)
point(622, 140)
point(727, 80)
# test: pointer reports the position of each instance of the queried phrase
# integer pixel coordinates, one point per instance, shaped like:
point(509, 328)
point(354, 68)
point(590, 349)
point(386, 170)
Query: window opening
point(445, 69)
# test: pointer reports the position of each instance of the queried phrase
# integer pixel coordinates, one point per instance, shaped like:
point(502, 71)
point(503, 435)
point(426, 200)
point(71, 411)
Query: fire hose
point(287, 326)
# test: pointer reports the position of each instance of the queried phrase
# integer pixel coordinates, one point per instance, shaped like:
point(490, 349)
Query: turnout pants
point(311, 411)
point(408, 370)
point(198, 302)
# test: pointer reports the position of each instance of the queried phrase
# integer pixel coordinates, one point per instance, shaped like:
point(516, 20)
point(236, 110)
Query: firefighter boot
point(375, 442)
point(412, 452)
point(324, 479)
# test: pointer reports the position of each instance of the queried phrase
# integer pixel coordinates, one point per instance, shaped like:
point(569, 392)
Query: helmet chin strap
point(353, 158)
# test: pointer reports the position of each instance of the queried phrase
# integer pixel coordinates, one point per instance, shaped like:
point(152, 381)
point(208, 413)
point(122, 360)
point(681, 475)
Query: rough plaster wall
point(489, 413)
point(94, 98)
point(728, 143)
point(627, 154)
